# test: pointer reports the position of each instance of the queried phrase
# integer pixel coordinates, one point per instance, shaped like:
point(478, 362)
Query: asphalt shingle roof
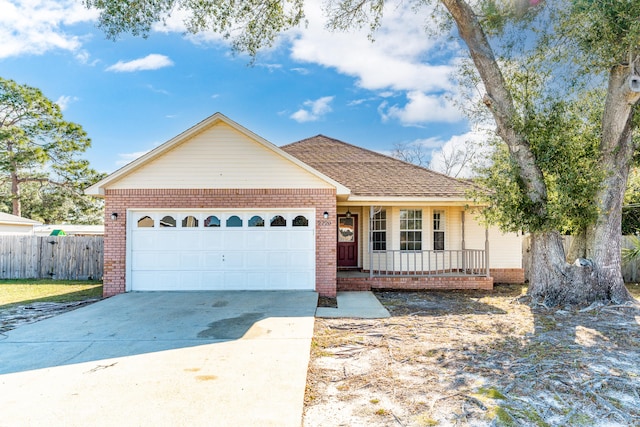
point(368, 173)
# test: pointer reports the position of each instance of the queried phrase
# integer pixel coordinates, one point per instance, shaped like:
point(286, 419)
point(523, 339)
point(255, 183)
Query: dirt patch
point(476, 359)
point(14, 316)
point(327, 302)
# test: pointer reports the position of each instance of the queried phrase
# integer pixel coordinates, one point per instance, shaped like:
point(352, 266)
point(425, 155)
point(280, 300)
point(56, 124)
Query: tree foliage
point(248, 24)
point(41, 175)
point(564, 139)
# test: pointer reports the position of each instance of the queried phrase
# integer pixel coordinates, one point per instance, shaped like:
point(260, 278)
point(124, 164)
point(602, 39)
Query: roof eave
point(408, 200)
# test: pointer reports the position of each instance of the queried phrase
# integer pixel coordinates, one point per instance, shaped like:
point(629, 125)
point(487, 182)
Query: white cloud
point(403, 59)
point(270, 67)
point(153, 61)
point(64, 101)
point(301, 70)
point(37, 26)
point(126, 158)
point(83, 57)
point(314, 110)
point(396, 60)
point(156, 90)
point(461, 154)
point(421, 108)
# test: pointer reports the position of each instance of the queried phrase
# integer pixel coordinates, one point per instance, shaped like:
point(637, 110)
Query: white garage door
point(219, 250)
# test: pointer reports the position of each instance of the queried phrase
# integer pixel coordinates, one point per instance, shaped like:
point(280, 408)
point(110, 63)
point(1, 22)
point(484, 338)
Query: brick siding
point(507, 275)
point(498, 275)
point(118, 201)
point(405, 283)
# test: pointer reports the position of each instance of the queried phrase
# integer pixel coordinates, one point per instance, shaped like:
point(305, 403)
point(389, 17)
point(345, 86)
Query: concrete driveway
point(162, 359)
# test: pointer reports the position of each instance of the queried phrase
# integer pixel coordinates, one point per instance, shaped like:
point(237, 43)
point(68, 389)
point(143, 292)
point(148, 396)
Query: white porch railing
point(459, 262)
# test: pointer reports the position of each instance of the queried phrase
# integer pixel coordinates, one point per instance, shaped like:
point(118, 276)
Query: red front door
point(347, 241)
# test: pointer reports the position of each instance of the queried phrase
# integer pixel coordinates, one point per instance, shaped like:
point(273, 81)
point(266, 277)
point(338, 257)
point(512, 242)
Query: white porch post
point(371, 215)
point(464, 253)
point(486, 248)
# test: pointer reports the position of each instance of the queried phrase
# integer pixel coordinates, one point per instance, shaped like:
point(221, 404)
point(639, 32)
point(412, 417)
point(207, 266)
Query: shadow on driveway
point(138, 323)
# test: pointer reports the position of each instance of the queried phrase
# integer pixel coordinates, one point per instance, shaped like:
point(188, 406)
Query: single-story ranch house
point(219, 207)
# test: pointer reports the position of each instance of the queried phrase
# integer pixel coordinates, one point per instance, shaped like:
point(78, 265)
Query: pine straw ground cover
point(477, 359)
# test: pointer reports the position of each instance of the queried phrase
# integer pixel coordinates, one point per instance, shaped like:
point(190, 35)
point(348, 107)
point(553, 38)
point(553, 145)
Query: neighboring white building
point(13, 224)
point(70, 229)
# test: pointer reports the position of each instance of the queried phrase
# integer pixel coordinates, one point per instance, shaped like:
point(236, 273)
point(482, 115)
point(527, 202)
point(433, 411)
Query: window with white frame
point(411, 229)
point(379, 230)
point(438, 230)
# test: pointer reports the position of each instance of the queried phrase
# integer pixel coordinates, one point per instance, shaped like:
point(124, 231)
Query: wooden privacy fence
point(630, 271)
point(51, 257)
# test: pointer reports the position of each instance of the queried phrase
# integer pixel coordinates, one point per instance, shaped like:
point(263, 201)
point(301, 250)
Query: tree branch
point(499, 101)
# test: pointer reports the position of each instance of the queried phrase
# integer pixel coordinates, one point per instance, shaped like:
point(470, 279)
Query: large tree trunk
point(600, 278)
point(617, 149)
point(15, 195)
point(15, 181)
point(578, 247)
point(552, 279)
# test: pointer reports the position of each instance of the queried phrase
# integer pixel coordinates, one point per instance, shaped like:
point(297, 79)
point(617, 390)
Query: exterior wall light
point(114, 216)
point(325, 215)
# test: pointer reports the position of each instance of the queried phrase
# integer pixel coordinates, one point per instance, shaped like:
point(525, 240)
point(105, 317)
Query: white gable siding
point(219, 157)
point(10, 229)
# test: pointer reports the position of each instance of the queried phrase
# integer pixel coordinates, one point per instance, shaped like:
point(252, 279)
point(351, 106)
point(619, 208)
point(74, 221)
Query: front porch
point(412, 247)
point(443, 269)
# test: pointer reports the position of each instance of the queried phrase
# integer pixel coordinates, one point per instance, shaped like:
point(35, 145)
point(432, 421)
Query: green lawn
point(27, 291)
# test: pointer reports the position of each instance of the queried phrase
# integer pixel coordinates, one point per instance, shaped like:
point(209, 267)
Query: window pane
point(145, 221)
point(256, 221)
point(437, 220)
point(438, 240)
point(190, 221)
point(300, 221)
point(410, 229)
point(234, 221)
point(379, 241)
point(278, 221)
point(168, 221)
point(212, 221)
point(378, 226)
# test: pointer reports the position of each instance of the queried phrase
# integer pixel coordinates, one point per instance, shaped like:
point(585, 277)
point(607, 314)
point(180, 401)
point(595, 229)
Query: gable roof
point(98, 189)
point(370, 174)
point(6, 218)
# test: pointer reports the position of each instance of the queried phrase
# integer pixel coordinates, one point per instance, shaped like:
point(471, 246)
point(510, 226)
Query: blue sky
point(134, 94)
